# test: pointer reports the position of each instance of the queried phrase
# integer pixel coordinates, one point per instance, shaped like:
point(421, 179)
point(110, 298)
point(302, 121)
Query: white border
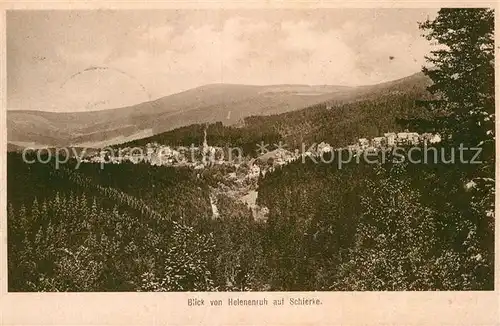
point(394, 308)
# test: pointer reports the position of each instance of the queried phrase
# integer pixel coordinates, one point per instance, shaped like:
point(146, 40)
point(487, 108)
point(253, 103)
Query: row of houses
point(200, 157)
point(156, 154)
point(392, 139)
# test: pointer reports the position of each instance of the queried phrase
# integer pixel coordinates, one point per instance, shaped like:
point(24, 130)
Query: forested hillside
point(392, 226)
point(79, 230)
point(336, 123)
point(124, 228)
point(217, 135)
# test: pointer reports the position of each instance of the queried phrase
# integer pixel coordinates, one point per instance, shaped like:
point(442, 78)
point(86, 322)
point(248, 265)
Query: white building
point(254, 171)
point(363, 143)
point(435, 139)
point(378, 141)
point(413, 138)
point(391, 138)
point(324, 147)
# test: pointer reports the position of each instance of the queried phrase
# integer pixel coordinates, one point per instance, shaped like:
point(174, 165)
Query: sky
point(99, 59)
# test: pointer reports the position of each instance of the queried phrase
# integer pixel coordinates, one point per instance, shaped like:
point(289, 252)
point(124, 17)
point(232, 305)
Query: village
point(238, 175)
point(206, 156)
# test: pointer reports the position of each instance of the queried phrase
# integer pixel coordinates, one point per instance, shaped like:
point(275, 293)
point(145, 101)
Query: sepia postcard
point(260, 163)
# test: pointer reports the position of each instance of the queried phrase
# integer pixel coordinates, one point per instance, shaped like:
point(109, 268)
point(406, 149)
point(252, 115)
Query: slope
point(218, 102)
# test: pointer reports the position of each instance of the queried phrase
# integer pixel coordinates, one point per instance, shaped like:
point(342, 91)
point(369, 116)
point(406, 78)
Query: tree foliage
point(463, 75)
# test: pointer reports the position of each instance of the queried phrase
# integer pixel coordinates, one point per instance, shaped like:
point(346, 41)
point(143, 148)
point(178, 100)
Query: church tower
point(205, 143)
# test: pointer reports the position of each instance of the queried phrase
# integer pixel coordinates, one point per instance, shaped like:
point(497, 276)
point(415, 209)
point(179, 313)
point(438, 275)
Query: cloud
point(314, 56)
point(168, 52)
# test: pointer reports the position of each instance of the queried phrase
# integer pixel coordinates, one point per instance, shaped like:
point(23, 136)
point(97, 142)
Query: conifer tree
point(35, 211)
point(462, 72)
point(463, 75)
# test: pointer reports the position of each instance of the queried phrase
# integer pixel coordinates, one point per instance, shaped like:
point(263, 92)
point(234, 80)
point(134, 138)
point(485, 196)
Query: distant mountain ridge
point(229, 103)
